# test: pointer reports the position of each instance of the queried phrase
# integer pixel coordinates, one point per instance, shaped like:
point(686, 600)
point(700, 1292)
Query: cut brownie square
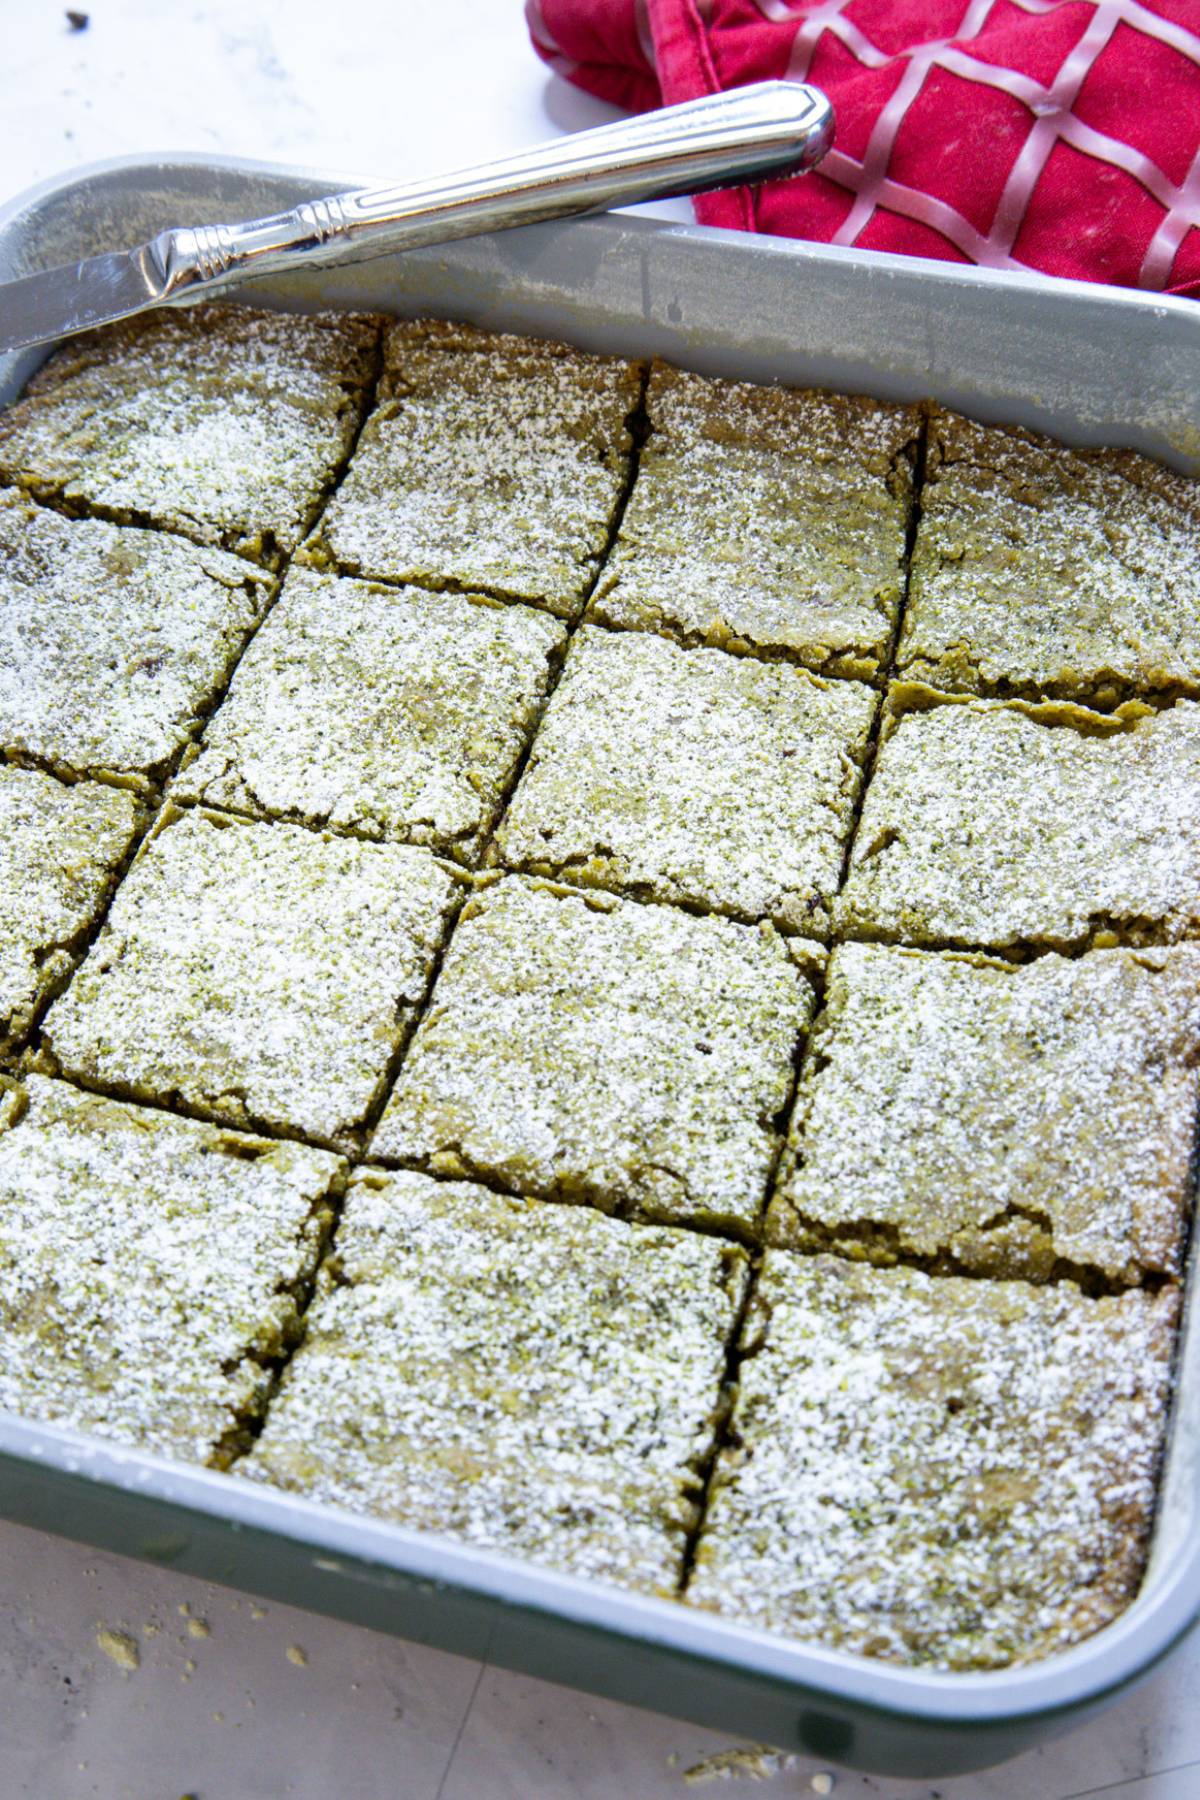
point(766, 520)
point(224, 423)
point(62, 849)
point(257, 974)
point(1011, 827)
point(150, 1268)
point(113, 642)
point(491, 462)
point(1040, 570)
point(587, 1048)
point(945, 1472)
point(389, 713)
point(535, 1379)
point(1004, 1120)
point(692, 776)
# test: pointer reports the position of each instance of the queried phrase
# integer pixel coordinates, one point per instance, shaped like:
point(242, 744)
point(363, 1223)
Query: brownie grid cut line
point(62, 848)
point(530, 1378)
point(692, 776)
point(490, 462)
point(1044, 571)
point(390, 713)
point(1013, 827)
point(149, 1268)
point(258, 974)
point(943, 1472)
point(223, 423)
point(765, 520)
point(998, 1118)
point(113, 641)
point(580, 1047)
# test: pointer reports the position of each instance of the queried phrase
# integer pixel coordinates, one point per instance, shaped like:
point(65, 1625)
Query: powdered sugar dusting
point(1042, 570)
point(60, 851)
point(1000, 1118)
point(259, 973)
point(149, 1266)
point(492, 462)
point(222, 423)
point(592, 1049)
point(387, 713)
point(694, 776)
point(536, 1379)
point(112, 640)
point(984, 825)
point(936, 1471)
point(766, 520)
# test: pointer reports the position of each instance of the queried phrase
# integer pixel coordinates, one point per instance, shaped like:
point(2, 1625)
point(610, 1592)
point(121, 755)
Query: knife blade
point(57, 302)
point(769, 128)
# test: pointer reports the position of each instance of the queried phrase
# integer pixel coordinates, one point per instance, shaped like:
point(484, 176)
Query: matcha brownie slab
point(388, 713)
point(1010, 827)
point(257, 974)
point(534, 1379)
point(766, 520)
point(491, 462)
point(113, 641)
point(224, 423)
point(1039, 570)
point(692, 776)
point(950, 1473)
point(586, 1048)
point(149, 1268)
point(997, 1118)
point(62, 849)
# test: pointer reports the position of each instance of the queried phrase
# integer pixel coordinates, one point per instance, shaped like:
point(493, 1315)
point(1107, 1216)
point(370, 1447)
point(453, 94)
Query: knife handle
point(770, 128)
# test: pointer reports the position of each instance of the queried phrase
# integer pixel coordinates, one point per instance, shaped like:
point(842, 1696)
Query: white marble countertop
point(217, 1708)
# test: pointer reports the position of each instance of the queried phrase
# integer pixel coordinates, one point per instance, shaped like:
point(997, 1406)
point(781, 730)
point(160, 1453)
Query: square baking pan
point(1089, 365)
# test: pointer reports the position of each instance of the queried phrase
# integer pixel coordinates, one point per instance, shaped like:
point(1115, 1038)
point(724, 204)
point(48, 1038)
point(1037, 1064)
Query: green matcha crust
point(113, 641)
point(999, 1119)
point(536, 1379)
point(223, 423)
point(586, 1048)
point(692, 776)
point(604, 995)
point(1045, 571)
point(1009, 826)
point(949, 1473)
point(765, 520)
point(382, 712)
point(149, 1267)
point(257, 974)
point(490, 462)
point(62, 849)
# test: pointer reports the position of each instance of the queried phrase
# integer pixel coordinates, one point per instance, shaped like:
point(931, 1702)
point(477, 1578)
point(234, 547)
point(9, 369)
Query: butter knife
point(770, 128)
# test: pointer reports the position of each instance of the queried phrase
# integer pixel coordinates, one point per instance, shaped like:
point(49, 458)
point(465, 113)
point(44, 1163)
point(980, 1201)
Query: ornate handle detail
point(771, 128)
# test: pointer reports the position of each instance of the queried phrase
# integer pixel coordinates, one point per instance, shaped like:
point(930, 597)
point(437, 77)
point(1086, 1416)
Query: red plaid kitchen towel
point(1061, 135)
